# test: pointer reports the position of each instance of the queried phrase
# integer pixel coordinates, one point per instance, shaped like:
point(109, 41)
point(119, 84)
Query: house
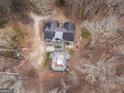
point(59, 32)
point(56, 37)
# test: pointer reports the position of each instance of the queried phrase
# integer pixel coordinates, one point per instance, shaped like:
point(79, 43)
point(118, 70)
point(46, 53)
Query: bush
point(30, 73)
point(81, 13)
point(2, 16)
point(71, 51)
point(21, 7)
point(61, 2)
point(48, 54)
point(16, 37)
point(86, 34)
point(46, 63)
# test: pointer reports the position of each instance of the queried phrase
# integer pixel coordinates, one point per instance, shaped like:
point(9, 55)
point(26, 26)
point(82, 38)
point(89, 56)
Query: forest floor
point(36, 77)
point(47, 79)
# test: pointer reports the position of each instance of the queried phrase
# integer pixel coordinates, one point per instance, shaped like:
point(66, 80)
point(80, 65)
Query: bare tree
point(102, 75)
point(93, 9)
point(21, 7)
point(103, 30)
point(11, 81)
point(43, 7)
point(65, 86)
point(55, 90)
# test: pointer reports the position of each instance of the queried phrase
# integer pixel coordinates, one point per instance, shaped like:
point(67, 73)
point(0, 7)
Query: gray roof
point(52, 29)
point(59, 35)
point(68, 36)
point(52, 24)
point(59, 62)
point(49, 35)
point(69, 26)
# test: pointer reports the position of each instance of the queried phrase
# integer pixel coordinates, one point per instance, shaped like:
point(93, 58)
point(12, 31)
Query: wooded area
point(97, 62)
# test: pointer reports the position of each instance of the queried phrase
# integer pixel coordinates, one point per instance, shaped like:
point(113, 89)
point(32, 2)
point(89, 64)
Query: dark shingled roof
point(52, 24)
point(52, 27)
point(49, 35)
point(69, 26)
point(68, 36)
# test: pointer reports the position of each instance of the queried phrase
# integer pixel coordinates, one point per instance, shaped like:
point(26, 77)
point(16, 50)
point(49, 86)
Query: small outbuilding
point(59, 60)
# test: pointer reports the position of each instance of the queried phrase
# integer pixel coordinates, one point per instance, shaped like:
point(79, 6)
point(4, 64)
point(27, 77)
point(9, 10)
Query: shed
point(59, 61)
